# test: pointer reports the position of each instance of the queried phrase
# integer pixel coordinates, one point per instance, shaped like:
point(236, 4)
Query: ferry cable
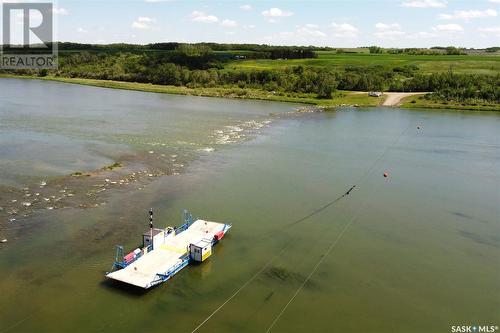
point(322, 208)
point(8, 328)
point(361, 179)
point(289, 243)
point(283, 250)
point(339, 237)
point(315, 268)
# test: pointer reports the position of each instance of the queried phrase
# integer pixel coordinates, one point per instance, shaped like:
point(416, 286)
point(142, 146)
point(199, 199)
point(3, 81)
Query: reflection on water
point(421, 254)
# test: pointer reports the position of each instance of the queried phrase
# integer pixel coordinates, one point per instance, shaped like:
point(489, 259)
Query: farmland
point(465, 64)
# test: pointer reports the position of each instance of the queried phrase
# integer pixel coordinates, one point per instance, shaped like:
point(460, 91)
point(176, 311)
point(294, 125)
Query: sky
point(335, 23)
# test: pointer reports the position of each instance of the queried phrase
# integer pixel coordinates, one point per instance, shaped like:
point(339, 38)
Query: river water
point(416, 251)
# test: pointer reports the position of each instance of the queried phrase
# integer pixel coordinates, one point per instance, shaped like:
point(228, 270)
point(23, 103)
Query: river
point(416, 251)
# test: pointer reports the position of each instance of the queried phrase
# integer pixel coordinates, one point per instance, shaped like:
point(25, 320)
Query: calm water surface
point(421, 250)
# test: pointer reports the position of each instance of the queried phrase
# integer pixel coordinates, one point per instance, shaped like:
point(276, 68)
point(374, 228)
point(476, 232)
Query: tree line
point(217, 51)
point(436, 50)
point(195, 66)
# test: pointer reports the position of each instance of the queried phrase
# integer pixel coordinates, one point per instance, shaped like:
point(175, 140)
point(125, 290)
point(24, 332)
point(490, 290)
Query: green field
point(466, 64)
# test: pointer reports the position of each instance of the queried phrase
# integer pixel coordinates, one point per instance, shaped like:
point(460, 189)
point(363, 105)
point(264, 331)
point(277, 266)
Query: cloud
point(422, 35)
point(469, 14)
point(35, 17)
point(145, 19)
point(276, 13)
point(246, 7)
point(158, 0)
point(491, 30)
point(82, 30)
point(388, 30)
point(143, 23)
point(494, 1)
point(59, 11)
point(344, 30)
point(425, 4)
point(302, 35)
point(452, 27)
point(385, 26)
point(310, 30)
point(197, 16)
point(389, 34)
point(228, 23)
point(249, 26)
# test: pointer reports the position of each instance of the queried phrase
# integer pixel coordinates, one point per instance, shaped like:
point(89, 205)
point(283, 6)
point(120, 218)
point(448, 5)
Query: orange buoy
point(386, 175)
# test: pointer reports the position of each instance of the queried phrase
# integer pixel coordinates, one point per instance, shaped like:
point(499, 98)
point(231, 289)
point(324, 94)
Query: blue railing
point(187, 218)
point(120, 261)
point(181, 228)
point(171, 272)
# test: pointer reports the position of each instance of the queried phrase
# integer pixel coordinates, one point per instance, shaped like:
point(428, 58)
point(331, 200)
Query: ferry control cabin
point(158, 237)
point(201, 250)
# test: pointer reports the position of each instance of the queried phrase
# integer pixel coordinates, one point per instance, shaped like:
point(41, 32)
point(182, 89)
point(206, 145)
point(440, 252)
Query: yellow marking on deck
point(173, 249)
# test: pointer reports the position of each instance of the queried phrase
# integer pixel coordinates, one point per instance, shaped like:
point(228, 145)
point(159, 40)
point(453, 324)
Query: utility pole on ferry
point(151, 226)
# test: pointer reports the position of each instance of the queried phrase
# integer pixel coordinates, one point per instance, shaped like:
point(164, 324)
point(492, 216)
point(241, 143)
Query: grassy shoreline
point(421, 102)
point(340, 98)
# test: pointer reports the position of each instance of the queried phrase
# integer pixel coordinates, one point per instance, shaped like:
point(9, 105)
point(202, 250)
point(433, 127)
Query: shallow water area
point(66, 145)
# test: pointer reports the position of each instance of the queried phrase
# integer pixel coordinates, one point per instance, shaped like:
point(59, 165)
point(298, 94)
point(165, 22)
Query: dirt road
point(394, 98)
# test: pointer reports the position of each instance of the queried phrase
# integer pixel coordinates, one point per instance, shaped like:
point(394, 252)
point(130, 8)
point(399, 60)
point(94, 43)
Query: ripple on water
point(242, 131)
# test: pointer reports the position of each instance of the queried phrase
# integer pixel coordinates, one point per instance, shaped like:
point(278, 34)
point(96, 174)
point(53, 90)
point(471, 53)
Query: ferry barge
point(165, 252)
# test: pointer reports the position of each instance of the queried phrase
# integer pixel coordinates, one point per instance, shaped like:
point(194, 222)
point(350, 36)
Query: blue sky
point(337, 23)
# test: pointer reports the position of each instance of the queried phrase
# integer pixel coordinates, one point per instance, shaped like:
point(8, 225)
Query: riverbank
point(422, 102)
point(340, 98)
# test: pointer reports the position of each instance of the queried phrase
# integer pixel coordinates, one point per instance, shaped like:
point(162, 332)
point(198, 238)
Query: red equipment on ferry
point(218, 236)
